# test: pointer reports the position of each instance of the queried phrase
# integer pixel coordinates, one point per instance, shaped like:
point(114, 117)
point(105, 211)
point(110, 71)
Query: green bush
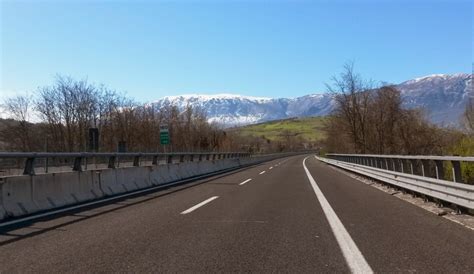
point(465, 147)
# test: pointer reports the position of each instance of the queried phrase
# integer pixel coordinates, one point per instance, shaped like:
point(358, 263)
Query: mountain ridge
point(442, 95)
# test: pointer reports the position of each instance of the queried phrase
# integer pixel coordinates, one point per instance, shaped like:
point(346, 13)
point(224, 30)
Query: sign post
point(94, 139)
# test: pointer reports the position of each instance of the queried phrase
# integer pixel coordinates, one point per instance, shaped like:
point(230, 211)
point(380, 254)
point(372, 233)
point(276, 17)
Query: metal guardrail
point(427, 166)
point(80, 159)
point(392, 169)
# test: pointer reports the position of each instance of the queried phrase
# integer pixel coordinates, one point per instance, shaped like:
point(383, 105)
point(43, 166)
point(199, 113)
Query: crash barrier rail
point(421, 174)
point(31, 193)
point(85, 160)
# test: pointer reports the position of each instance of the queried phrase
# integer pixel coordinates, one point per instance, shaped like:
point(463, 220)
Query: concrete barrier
point(17, 195)
point(159, 175)
point(3, 213)
point(25, 194)
point(165, 174)
point(108, 182)
point(22, 195)
point(133, 178)
point(187, 170)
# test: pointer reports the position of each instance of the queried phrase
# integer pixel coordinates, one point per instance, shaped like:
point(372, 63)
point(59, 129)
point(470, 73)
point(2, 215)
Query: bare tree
point(19, 109)
point(68, 108)
point(469, 115)
point(352, 98)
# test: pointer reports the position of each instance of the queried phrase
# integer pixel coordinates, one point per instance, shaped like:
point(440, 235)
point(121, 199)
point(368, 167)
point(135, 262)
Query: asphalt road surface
point(274, 217)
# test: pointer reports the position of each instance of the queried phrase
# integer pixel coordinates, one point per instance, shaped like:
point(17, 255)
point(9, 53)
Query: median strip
point(244, 182)
point(191, 209)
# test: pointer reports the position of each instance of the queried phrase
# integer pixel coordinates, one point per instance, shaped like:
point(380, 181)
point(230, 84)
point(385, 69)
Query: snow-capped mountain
point(443, 96)
point(231, 109)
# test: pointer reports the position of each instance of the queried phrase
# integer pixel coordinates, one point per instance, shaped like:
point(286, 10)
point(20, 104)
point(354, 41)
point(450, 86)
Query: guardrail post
point(191, 158)
point(439, 170)
point(181, 158)
point(46, 166)
point(386, 163)
point(208, 156)
point(29, 166)
point(425, 168)
point(136, 161)
point(412, 163)
point(457, 177)
point(214, 156)
point(77, 164)
point(112, 162)
point(170, 159)
point(200, 157)
point(155, 160)
point(402, 165)
point(394, 166)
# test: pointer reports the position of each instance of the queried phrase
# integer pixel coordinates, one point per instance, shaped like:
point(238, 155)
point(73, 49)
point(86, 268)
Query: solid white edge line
point(246, 181)
point(191, 209)
point(354, 258)
point(262, 172)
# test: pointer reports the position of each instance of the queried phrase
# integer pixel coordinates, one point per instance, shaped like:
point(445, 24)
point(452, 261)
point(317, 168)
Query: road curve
point(246, 221)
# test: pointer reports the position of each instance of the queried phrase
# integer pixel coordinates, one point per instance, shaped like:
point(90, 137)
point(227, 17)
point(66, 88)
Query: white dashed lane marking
point(191, 209)
point(244, 182)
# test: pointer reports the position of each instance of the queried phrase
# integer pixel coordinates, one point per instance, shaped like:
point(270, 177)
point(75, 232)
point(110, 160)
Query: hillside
point(309, 128)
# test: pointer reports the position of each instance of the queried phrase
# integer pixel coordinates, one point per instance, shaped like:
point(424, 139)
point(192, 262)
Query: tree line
point(367, 119)
point(66, 110)
point(371, 119)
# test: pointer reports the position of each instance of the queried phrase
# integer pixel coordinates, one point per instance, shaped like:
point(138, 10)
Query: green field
point(310, 129)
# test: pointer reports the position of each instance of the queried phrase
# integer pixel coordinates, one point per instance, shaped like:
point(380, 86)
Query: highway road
point(287, 215)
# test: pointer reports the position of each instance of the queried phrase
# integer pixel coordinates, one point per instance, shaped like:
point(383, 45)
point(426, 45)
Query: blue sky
point(151, 49)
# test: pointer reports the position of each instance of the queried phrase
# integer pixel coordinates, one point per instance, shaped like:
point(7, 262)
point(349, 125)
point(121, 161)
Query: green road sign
point(164, 135)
